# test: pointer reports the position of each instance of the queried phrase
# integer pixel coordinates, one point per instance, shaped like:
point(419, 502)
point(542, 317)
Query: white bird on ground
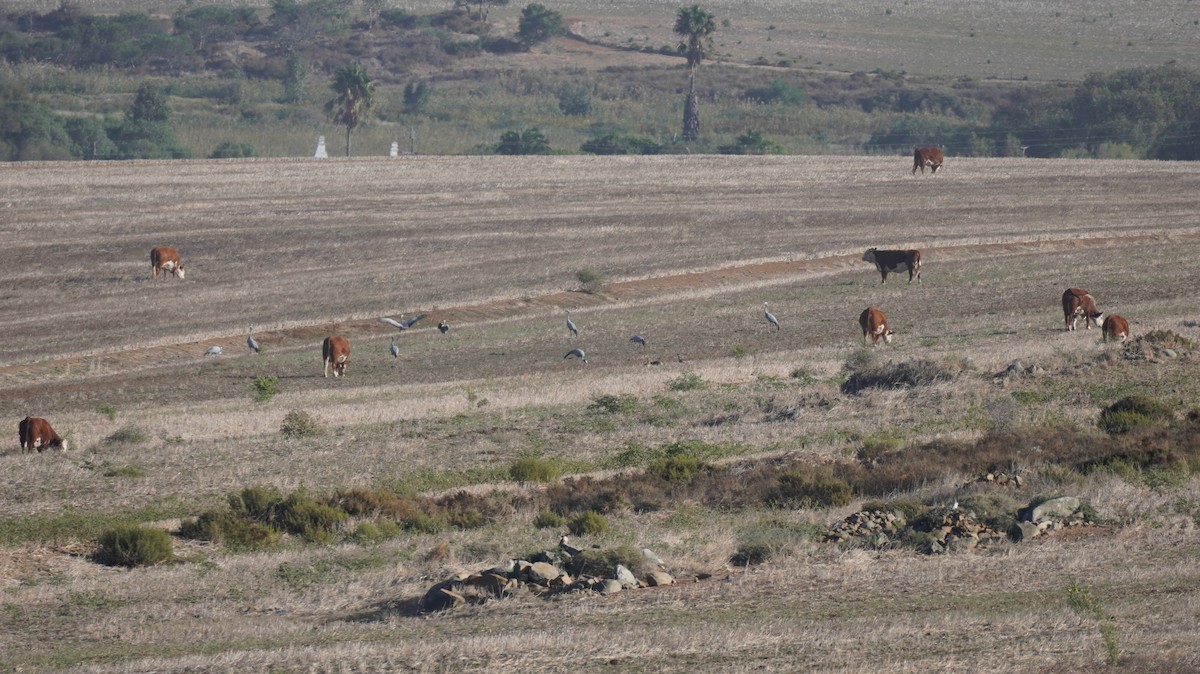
point(571, 325)
point(214, 351)
point(638, 339)
point(770, 316)
point(578, 353)
point(251, 341)
point(443, 327)
point(402, 324)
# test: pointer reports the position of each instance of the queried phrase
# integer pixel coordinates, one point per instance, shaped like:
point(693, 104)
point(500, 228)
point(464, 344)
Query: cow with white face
point(1115, 327)
point(166, 260)
point(1078, 303)
point(888, 261)
point(927, 156)
point(335, 351)
point(36, 434)
point(874, 325)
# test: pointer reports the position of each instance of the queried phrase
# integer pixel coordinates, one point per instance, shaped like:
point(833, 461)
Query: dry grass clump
point(901, 375)
point(135, 546)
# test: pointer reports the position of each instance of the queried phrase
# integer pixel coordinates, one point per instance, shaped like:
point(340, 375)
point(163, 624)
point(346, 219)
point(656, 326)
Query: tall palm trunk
point(349, 129)
point(691, 110)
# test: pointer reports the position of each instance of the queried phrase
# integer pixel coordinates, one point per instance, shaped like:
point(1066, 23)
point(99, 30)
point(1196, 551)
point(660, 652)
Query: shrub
point(590, 522)
point(109, 411)
point(688, 381)
point(265, 388)
point(231, 530)
point(771, 539)
point(614, 404)
point(232, 150)
point(534, 469)
point(801, 490)
point(132, 435)
point(617, 144)
point(256, 503)
point(574, 100)
point(590, 280)
point(1133, 412)
point(920, 372)
point(300, 424)
point(603, 563)
point(678, 468)
point(303, 516)
point(548, 520)
point(135, 546)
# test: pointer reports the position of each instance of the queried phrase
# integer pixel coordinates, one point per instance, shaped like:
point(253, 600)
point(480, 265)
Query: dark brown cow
point(1115, 327)
point(336, 352)
point(166, 260)
point(1078, 304)
point(887, 261)
point(927, 156)
point(37, 434)
point(874, 324)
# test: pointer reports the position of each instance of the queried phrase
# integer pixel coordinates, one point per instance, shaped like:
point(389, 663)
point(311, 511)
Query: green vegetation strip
point(73, 525)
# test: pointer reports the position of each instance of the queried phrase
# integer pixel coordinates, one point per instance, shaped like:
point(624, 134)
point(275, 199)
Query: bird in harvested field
point(214, 351)
point(571, 325)
point(578, 353)
point(402, 324)
point(251, 341)
point(394, 350)
point(770, 316)
point(638, 339)
point(443, 327)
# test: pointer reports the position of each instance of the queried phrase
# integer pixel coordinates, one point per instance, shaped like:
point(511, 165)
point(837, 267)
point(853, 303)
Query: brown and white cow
point(887, 261)
point(927, 156)
point(37, 434)
point(336, 352)
point(1115, 327)
point(874, 324)
point(166, 260)
point(1077, 303)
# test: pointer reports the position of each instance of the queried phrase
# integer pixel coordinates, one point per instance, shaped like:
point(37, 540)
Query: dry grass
point(691, 247)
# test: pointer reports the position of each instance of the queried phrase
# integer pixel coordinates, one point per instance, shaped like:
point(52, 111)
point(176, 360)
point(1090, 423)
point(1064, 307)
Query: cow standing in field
point(874, 324)
point(336, 353)
point(1115, 327)
point(37, 434)
point(166, 260)
point(1078, 303)
point(927, 156)
point(887, 261)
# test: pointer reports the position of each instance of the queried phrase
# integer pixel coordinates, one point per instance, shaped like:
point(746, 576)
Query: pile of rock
point(876, 527)
point(1002, 479)
point(1017, 370)
point(959, 531)
point(1052, 515)
point(544, 575)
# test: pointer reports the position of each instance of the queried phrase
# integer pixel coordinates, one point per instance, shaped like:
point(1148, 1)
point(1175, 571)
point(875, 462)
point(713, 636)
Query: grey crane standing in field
point(571, 325)
point(251, 341)
point(638, 339)
point(394, 350)
point(443, 327)
point(402, 324)
point(770, 316)
point(578, 353)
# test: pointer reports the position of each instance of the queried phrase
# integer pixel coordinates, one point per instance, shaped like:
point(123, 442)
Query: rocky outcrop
point(546, 574)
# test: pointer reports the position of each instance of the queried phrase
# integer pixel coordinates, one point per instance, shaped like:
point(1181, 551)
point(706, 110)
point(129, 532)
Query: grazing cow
point(874, 324)
point(1115, 327)
point(927, 156)
point(1078, 304)
point(887, 261)
point(37, 434)
point(165, 259)
point(336, 352)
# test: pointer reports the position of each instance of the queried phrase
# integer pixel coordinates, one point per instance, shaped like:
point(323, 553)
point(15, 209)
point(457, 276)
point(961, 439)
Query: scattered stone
point(626, 578)
point(659, 578)
point(542, 572)
point(610, 586)
point(1061, 508)
point(651, 557)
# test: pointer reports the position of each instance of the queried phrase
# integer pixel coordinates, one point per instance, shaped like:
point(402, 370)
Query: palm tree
point(696, 26)
point(355, 95)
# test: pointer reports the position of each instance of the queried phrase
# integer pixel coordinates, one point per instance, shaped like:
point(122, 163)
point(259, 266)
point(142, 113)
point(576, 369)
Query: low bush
point(300, 424)
point(129, 435)
point(230, 530)
point(534, 469)
point(265, 388)
point(303, 516)
point(909, 374)
point(614, 404)
point(800, 489)
point(603, 562)
point(590, 522)
point(1133, 412)
point(135, 546)
point(677, 468)
point(549, 520)
point(688, 381)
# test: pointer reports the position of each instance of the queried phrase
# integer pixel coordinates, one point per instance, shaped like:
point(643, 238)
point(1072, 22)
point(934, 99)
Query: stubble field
point(689, 249)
